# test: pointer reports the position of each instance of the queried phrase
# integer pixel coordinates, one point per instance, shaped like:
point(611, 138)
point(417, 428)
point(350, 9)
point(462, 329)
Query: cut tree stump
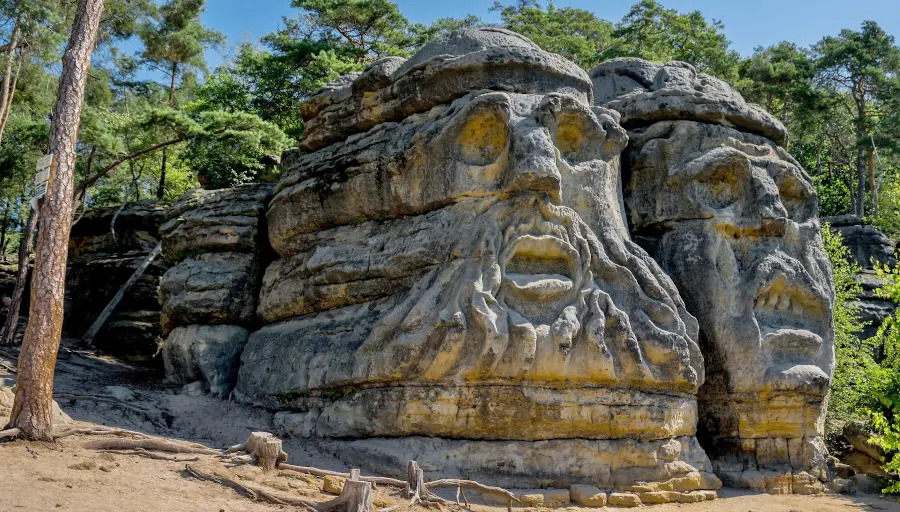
point(264, 448)
point(356, 497)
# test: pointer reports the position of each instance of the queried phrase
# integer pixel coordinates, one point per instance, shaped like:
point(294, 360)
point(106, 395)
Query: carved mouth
point(789, 314)
point(539, 268)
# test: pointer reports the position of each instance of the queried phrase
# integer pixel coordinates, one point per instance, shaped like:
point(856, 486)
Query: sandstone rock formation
point(103, 255)
point(453, 262)
point(732, 218)
point(456, 277)
point(217, 241)
point(867, 245)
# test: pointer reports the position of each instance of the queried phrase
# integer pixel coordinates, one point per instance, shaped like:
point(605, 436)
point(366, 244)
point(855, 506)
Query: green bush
point(849, 395)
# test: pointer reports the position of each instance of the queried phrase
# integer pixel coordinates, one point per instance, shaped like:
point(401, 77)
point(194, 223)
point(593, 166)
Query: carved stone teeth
point(760, 302)
point(772, 300)
point(784, 302)
point(796, 308)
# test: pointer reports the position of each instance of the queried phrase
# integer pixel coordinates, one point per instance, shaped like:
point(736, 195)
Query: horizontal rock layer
point(229, 220)
point(621, 464)
point(489, 412)
point(214, 288)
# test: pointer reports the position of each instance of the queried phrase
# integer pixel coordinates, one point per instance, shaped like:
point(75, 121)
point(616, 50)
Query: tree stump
point(264, 449)
point(356, 497)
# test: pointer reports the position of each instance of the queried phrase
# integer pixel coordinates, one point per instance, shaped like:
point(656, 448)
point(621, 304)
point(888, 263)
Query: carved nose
point(533, 164)
point(767, 197)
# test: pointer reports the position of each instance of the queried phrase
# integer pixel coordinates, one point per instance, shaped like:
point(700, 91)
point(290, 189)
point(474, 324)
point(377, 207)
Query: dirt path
point(66, 476)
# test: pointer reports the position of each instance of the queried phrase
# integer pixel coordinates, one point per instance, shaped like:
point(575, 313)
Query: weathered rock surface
point(209, 297)
point(229, 220)
point(442, 71)
point(732, 218)
point(647, 92)
point(206, 353)
point(629, 465)
point(212, 288)
point(102, 257)
point(867, 245)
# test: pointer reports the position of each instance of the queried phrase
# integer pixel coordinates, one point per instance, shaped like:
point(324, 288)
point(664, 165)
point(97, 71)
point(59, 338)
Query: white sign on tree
point(41, 178)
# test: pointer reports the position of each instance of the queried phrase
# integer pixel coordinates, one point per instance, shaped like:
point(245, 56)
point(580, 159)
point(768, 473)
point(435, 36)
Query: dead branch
point(160, 445)
point(8, 367)
point(378, 480)
point(140, 452)
point(252, 491)
point(471, 484)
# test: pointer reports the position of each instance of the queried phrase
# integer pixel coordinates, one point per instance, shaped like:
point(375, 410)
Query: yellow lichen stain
point(569, 135)
point(483, 138)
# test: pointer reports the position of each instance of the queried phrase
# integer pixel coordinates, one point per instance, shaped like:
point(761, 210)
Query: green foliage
point(576, 34)
point(652, 32)
point(176, 37)
point(853, 357)
point(883, 380)
point(374, 28)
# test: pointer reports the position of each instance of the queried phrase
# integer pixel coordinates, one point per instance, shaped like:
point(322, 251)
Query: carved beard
point(538, 296)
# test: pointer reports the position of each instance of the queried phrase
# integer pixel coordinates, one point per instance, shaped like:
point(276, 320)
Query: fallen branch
point(140, 452)
point(8, 367)
point(160, 445)
point(471, 484)
point(253, 491)
point(378, 480)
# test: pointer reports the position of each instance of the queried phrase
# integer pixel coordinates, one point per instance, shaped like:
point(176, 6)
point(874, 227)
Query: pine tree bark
point(32, 409)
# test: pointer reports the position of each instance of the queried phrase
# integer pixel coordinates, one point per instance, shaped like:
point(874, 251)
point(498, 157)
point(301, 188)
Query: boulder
point(212, 288)
point(647, 92)
point(206, 353)
point(228, 220)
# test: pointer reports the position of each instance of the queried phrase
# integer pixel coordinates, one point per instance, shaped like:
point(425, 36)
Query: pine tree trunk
point(861, 182)
point(12, 318)
point(161, 189)
point(873, 188)
point(32, 409)
point(3, 229)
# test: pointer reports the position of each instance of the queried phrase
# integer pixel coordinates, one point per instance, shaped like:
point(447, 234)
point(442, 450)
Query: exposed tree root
point(251, 490)
point(378, 480)
point(97, 431)
point(10, 433)
point(160, 445)
point(140, 452)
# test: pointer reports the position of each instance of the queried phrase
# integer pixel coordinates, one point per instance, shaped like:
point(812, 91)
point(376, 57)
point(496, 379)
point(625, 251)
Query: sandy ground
point(67, 476)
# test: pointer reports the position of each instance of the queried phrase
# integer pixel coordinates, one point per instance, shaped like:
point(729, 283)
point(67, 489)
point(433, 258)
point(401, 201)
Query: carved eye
point(571, 131)
point(483, 137)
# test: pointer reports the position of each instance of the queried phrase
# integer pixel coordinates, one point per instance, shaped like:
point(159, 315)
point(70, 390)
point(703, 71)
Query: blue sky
point(747, 23)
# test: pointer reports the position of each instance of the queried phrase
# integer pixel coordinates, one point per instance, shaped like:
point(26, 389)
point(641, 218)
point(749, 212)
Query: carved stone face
point(534, 257)
point(733, 219)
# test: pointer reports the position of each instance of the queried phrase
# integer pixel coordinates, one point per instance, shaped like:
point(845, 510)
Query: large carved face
point(732, 218)
point(498, 254)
